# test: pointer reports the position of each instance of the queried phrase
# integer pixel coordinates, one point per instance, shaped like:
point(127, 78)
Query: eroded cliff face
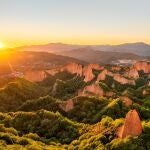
point(95, 90)
point(132, 125)
point(92, 90)
point(133, 73)
point(78, 69)
point(126, 100)
point(117, 77)
point(35, 76)
point(102, 75)
point(96, 66)
point(142, 65)
point(123, 80)
point(138, 66)
point(73, 68)
point(88, 71)
point(67, 105)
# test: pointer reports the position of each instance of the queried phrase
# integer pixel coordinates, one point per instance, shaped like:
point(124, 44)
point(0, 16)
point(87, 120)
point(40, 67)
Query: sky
point(27, 22)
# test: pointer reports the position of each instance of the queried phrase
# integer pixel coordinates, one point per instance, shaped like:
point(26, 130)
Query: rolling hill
point(65, 111)
point(21, 61)
point(138, 48)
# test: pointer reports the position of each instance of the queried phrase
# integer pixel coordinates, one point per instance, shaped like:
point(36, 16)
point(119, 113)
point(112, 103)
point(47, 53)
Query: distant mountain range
point(139, 48)
point(105, 54)
point(102, 57)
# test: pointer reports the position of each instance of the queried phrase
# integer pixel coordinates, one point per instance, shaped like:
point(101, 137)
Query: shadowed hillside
point(102, 57)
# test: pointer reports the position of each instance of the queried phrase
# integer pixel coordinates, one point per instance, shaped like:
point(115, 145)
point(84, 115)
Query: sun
point(1, 45)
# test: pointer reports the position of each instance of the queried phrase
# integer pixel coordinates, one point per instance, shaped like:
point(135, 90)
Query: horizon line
point(65, 43)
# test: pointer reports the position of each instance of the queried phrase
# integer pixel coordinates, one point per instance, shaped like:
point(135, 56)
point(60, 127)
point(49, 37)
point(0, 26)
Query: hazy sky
point(74, 21)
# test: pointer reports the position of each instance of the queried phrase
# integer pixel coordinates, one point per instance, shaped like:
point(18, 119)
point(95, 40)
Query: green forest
point(32, 115)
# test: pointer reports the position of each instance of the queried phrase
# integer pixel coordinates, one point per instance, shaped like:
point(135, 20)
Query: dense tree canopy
point(32, 116)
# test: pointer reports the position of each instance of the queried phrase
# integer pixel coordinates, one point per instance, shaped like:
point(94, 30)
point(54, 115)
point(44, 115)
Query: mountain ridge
point(139, 48)
point(104, 57)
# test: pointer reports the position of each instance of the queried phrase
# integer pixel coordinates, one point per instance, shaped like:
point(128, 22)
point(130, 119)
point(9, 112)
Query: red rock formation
point(133, 73)
point(126, 100)
point(88, 71)
point(102, 75)
point(117, 77)
point(67, 105)
point(123, 80)
point(34, 76)
point(142, 65)
point(88, 74)
point(132, 125)
point(78, 69)
point(72, 68)
point(96, 66)
point(95, 90)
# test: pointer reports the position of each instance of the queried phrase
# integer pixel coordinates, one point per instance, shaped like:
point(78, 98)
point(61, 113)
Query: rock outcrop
point(35, 76)
point(132, 125)
point(67, 105)
point(138, 66)
point(133, 73)
point(123, 80)
point(102, 75)
point(73, 68)
point(117, 77)
point(142, 65)
point(95, 90)
point(88, 71)
point(126, 100)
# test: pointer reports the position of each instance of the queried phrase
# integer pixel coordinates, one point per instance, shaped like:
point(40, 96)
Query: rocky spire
point(132, 125)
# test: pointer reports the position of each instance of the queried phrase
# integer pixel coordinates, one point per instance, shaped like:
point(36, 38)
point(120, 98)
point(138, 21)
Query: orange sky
point(27, 22)
point(83, 40)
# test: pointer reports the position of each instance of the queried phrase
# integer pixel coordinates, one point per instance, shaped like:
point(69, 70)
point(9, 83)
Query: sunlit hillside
point(74, 75)
point(77, 106)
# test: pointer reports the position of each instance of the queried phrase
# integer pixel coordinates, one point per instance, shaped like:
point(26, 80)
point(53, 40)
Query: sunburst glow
point(2, 45)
